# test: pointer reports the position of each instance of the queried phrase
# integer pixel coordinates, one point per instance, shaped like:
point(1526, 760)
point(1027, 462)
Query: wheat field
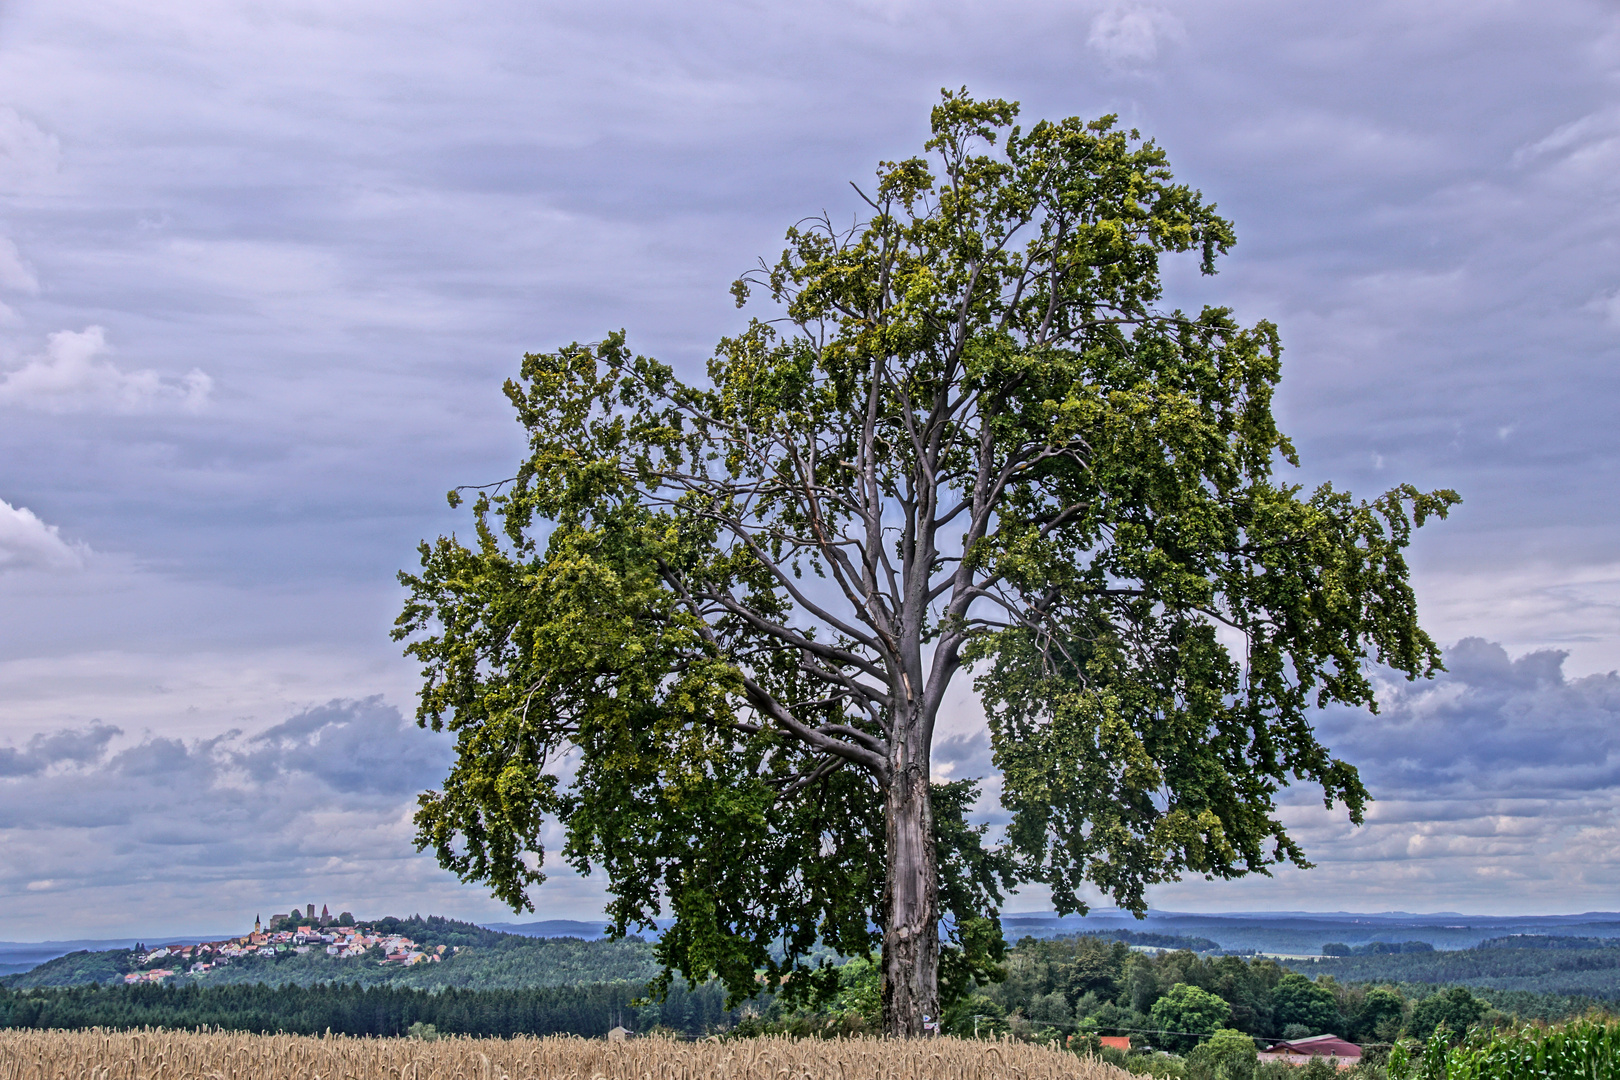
point(170, 1055)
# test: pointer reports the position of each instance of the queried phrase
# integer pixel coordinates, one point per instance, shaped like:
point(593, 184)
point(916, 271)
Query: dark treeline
point(1548, 941)
point(1376, 948)
point(1157, 941)
point(1585, 967)
point(347, 1009)
point(1525, 1005)
point(1072, 985)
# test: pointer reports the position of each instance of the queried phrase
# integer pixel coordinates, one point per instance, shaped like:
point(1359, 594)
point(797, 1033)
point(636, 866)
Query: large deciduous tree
point(709, 626)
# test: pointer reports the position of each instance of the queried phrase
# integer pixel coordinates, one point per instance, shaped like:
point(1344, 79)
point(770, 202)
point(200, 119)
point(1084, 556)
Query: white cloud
point(71, 377)
point(1608, 306)
point(26, 542)
point(1127, 33)
point(29, 157)
point(14, 272)
point(1594, 137)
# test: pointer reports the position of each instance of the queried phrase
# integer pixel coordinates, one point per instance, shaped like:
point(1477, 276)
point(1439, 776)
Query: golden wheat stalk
point(172, 1055)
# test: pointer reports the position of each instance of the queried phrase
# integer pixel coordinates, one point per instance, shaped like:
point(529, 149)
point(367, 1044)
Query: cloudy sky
point(263, 267)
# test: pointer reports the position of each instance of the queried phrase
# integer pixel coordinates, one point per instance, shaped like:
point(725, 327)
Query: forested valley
point(1534, 963)
point(1166, 992)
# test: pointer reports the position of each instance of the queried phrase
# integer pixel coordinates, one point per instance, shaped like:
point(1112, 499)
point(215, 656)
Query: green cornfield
point(1580, 1050)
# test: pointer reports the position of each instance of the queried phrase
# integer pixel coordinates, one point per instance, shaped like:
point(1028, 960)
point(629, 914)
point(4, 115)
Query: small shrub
point(1159, 1066)
point(1226, 1055)
point(1318, 1068)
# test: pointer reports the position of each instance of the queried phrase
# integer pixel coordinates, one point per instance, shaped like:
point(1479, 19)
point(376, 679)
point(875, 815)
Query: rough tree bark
point(910, 901)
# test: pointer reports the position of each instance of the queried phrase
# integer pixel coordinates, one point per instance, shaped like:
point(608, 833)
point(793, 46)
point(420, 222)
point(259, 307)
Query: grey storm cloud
point(326, 795)
point(963, 756)
point(76, 746)
point(264, 269)
point(1490, 726)
point(333, 222)
point(1496, 785)
point(1490, 734)
point(363, 746)
point(344, 755)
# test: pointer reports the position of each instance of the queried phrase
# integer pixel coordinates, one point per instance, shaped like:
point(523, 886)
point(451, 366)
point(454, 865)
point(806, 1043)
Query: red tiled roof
point(1318, 1046)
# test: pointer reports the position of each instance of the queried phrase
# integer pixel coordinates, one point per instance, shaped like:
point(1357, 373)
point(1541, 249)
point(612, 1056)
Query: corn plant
point(1583, 1050)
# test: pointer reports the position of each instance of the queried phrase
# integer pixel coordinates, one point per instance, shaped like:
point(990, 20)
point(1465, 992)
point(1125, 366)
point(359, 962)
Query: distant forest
point(348, 1009)
point(1538, 964)
point(1114, 982)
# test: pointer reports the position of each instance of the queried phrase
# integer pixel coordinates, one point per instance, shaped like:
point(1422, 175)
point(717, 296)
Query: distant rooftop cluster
point(292, 933)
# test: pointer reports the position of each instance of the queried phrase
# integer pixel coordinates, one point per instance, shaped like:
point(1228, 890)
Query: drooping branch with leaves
point(708, 628)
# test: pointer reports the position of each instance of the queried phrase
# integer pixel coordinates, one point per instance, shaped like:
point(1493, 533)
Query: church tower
point(256, 924)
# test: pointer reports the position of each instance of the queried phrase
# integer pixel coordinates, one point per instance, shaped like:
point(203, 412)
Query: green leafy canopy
point(708, 625)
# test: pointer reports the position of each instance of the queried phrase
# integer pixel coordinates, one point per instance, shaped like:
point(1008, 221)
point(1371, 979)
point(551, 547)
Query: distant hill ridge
point(464, 955)
point(1288, 933)
point(1295, 933)
point(1548, 941)
point(1149, 940)
point(551, 928)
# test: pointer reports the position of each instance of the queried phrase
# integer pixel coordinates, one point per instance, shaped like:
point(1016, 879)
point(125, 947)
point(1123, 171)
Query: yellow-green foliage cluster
point(103, 1055)
point(1582, 1050)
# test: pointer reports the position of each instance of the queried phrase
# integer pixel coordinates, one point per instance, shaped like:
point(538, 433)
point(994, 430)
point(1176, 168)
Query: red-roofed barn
point(1299, 1051)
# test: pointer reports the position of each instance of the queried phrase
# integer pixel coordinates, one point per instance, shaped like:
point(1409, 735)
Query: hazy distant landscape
point(820, 489)
point(1106, 970)
point(1294, 934)
point(1304, 933)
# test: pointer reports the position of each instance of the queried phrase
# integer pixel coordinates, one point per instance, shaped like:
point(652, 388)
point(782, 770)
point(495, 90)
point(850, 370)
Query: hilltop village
point(339, 937)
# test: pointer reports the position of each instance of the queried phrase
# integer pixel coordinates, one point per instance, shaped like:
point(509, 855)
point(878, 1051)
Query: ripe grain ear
point(102, 1055)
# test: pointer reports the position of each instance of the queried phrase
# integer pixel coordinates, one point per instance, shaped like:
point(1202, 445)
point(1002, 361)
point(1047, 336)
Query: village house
point(156, 975)
point(337, 941)
point(1299, 1051)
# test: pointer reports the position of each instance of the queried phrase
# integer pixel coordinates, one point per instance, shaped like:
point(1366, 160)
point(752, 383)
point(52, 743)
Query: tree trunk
point(911, 905)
